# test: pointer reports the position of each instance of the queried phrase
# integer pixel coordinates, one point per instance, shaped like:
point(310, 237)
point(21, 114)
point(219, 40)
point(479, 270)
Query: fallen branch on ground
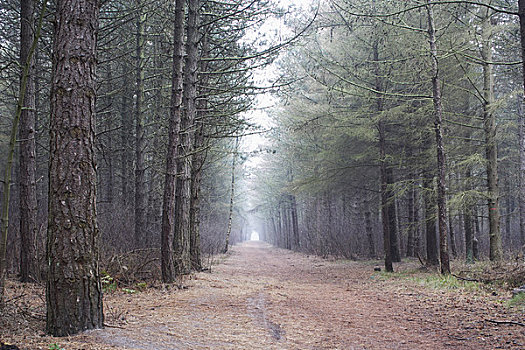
point(506, 322)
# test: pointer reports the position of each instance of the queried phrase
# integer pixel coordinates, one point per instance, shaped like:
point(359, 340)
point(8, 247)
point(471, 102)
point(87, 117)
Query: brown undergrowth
point(266, 298)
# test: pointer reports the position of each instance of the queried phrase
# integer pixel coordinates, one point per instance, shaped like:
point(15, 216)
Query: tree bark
point(440, 148)
point(126, 125)
point(170, 179)
point(140, 141)
point(197, 164)
point(430, 211)
point(295, 223)
point(4, 225)
point(392, 222)
point(384, 200)
point(412, 224)
point(232, 195)
point(186, 134)
point(489, 123)
point(370, 235)
point(521, 12)
point(27, 163)
point(521, 178)
point(74, 293)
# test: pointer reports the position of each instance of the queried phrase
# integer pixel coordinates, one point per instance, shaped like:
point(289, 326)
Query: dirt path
point(266, 298)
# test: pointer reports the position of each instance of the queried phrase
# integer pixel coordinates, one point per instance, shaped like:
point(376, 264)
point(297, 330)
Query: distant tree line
point(401, 131)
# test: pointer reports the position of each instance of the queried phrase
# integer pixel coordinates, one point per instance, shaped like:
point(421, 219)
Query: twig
point(506, 322)
point(113, 326)
point(421, 260)
point(466, 278)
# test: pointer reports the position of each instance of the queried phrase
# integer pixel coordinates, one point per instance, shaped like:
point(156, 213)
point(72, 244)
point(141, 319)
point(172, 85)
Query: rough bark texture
point(187, 131)
point(140, 141)
point(74, 294)
point(27, 177)
point(440, 148)
point(170, 179)
point(521, 11)
point(489, 124)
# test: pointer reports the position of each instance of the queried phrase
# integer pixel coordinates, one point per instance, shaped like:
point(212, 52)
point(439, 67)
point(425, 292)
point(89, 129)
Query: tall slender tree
point(170, 180)
point(440, 148)
point(27, 163)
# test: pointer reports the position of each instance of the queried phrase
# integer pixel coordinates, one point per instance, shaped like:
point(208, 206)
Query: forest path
point(261, 297)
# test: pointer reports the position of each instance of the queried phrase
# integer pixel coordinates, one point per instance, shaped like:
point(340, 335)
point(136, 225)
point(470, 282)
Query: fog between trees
point(397, 131)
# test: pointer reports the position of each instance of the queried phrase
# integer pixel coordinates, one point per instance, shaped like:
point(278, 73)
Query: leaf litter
point(262, 297)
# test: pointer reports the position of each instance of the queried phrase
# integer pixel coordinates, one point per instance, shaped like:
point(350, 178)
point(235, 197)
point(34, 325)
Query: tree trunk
point(170, 179)
point(4, 225)
point(430, 212)
point(384, 200)
point(140, 141)
point(521, 190)
point(489, 123)
point(370, 235)
point(411, 224)
point(197, 164)
point(521, 11)
point(74, 292)
point(28, 198)
point(441, 163)
point(391, 206)
point(295, 223)
point(232, 195)
point(199, 157)
point(186, 134)
point(469, 234)
point(126, 125)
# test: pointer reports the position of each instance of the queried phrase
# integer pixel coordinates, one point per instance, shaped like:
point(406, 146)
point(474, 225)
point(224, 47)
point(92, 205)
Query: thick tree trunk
point(140, 141)
point(440, 148)
point(187, 131)
point(27, 176)
point(74, 293)
point(489, 123)
point(170, 179)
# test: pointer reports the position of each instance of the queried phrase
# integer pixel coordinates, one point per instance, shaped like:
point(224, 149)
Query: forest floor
point(260, 297)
